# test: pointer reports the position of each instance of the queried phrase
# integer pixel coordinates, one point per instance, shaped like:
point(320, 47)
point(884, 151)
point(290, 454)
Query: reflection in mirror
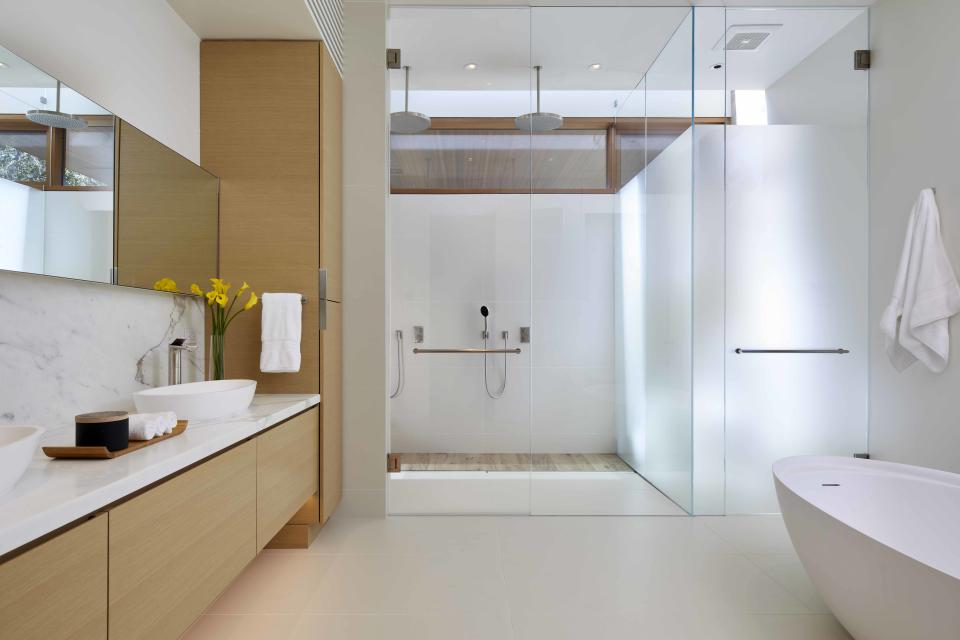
point(98, 200)
point(56, 185)
point(167, 222)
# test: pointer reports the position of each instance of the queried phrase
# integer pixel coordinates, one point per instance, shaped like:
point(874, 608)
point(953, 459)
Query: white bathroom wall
point(68, 346)
point(137, 59)
point(552, 272)
point(914, 138)
point(824, 89)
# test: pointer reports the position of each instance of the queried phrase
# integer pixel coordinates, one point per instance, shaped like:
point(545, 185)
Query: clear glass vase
point(216, 356)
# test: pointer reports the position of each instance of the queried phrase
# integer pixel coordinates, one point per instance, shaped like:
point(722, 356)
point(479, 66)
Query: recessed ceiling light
point(470, 66)
point(595, 66)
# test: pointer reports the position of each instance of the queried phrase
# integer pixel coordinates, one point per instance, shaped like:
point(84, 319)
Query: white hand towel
point(926, 294)
point(280, 333)
point(142, 426)
point(146, 426)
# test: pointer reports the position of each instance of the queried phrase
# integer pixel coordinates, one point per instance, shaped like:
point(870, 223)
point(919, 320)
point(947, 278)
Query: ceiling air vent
point(745, 37)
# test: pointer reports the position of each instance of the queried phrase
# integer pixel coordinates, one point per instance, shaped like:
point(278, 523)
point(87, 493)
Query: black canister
point(110, 429)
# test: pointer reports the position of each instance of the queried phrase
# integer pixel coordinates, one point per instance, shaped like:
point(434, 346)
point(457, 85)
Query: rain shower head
point(407, 121)
point(538, 121)
point(57, 118)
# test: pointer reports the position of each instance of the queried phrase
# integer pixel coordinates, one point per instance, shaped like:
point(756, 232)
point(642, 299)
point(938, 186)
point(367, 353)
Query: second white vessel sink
point(198, 400)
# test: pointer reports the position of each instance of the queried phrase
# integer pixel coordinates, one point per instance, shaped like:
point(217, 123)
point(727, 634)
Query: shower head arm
point(406, 88)
point(537, 69)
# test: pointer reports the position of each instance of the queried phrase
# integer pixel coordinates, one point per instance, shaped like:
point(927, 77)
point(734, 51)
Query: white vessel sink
point(198, 400)
point(17, 446)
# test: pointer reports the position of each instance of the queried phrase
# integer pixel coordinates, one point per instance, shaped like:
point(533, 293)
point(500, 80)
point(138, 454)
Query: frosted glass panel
point(654, 287)
point(796, 254)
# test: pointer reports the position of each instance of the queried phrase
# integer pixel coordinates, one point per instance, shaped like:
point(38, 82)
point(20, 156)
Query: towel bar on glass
point(481, 351)
point(836, 351)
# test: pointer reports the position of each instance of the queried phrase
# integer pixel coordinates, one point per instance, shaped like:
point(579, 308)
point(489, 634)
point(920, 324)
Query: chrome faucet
point(176, 349)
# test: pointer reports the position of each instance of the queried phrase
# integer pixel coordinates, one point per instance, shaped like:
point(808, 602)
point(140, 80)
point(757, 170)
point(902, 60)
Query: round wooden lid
point(102, 416)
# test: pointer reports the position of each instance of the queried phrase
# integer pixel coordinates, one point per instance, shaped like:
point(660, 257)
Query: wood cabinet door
point(175, 547)
point(288, 469)
point(58, 590)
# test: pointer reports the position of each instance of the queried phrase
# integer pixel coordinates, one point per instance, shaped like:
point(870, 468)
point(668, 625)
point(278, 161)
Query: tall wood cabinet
point(270, 128)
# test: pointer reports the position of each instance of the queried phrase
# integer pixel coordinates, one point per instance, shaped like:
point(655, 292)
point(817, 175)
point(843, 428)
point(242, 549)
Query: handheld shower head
point(484, 311)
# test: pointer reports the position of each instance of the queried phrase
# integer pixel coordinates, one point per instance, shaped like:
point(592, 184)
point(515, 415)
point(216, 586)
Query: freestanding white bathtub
point(881, 542)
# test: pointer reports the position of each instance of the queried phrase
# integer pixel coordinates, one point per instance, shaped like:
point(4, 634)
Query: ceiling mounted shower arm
point(406, 87)
point(537, 69)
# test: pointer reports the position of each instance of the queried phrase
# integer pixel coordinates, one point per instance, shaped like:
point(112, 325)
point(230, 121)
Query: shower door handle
point(839, 351)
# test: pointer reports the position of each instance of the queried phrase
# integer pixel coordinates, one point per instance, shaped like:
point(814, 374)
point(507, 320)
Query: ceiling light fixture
point(595, 66)
point(470, 66)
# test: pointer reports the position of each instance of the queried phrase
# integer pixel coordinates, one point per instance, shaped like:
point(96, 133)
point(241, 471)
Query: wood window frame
point(613, 127)
point(56, 149)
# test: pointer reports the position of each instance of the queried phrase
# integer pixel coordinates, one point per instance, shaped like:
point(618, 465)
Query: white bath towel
point(280, 333)
point(146, 426)
point(916, 322)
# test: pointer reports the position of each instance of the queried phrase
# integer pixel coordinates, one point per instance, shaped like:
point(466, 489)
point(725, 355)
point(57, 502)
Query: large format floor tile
point(528, 578)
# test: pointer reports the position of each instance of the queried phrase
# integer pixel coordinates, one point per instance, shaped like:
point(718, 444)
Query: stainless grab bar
point(836, 351)
point(481, 351)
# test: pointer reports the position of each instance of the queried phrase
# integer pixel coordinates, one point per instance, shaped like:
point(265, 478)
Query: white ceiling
point(262, 19)
point(627, 41)
point(506, 42)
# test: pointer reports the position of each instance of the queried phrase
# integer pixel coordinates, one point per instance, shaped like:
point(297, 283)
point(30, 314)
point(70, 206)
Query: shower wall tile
point(69, 347)
point(543, 261)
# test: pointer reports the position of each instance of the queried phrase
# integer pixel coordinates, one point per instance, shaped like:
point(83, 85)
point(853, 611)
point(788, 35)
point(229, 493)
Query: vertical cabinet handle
point(322, 298)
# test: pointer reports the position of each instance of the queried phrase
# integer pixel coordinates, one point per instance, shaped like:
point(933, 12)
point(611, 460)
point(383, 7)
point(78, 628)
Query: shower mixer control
point(418, 334)
point(525, 335)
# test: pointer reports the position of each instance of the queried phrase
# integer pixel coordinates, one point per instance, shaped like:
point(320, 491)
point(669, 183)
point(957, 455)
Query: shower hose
point(486, 383)
point(400, 376)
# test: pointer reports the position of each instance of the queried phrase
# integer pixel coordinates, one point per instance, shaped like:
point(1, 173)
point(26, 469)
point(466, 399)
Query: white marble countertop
point(53, 493)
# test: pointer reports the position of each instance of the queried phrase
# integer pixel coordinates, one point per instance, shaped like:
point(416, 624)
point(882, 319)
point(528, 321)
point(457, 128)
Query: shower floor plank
point(512, 462)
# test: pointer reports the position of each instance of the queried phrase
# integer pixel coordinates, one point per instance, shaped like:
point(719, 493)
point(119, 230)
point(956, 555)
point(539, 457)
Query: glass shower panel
point(593, 63)
point(796, 279)
point(654, 275)
point(460, 422)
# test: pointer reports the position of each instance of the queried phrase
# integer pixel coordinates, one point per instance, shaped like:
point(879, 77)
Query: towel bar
point(481, 351)
point(836, 351)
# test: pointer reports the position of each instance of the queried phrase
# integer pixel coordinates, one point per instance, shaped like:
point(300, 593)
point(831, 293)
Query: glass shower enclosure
point(638, 311)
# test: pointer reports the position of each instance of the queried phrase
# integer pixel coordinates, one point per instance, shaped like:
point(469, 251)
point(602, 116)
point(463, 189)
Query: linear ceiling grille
point(328, 15)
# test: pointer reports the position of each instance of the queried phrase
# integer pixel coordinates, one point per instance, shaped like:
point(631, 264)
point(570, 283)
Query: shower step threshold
point(572, 462)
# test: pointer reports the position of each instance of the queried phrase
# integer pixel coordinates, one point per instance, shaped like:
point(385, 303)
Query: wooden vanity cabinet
point(175, 547)
point(58, 589)
point(288, 469)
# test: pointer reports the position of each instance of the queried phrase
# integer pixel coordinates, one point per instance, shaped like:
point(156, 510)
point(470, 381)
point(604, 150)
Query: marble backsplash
point(69, 347)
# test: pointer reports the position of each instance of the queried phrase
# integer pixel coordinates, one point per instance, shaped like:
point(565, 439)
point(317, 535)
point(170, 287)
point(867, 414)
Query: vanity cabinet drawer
point(174, 548)
point(288, 472)
point(58, 590)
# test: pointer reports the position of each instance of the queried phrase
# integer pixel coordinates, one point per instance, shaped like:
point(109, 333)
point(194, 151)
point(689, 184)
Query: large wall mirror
point(86, 195)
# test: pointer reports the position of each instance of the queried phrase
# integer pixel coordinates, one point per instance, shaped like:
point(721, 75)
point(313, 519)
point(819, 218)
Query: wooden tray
point(101, 453)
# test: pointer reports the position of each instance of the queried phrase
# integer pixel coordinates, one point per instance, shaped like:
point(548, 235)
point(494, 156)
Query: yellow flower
point(243, 287)
point(221, 299)
point(211, 296)
point(196, 290)
point(219, 285)
point(251, 302)
point(165, 284)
